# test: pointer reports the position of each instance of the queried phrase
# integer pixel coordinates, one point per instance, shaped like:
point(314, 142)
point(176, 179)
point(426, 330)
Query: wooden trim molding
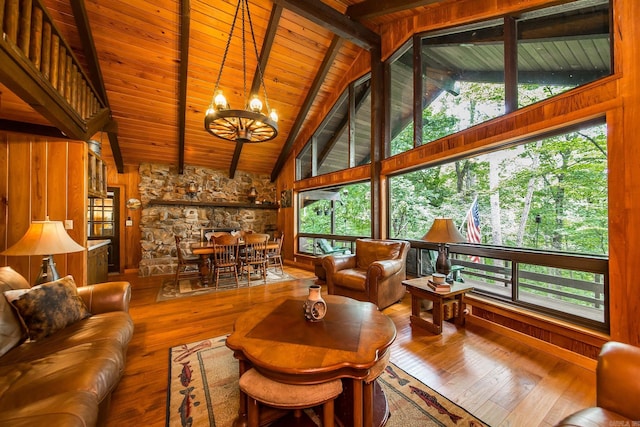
point(561, 338)
point(156, 202)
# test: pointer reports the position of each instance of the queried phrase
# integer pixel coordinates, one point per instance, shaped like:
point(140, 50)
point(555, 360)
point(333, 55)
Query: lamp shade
point(44, 238)
point(443, 230)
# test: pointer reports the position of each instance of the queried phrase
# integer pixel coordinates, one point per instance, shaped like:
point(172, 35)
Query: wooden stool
point(260, 389)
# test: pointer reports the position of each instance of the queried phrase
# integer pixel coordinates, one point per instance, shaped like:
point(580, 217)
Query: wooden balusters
point(45, 61)
point(55, 60)
point(28, 26)
point(12, 10)
point(62, 66)
point(67, 78)
point(35, 45)
point(24, 28)
point(1, 16)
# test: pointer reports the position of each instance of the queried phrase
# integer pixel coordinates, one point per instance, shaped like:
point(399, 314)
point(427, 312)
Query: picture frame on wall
point(285, 198)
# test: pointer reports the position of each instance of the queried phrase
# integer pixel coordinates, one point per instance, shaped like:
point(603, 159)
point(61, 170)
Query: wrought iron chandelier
point(249, 124)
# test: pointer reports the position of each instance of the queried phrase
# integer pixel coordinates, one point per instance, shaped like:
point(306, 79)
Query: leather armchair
point(374, 273)
point(617, 389)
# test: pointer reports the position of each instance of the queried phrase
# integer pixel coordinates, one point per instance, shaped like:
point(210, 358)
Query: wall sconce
point(253, 194)
point(192, 189)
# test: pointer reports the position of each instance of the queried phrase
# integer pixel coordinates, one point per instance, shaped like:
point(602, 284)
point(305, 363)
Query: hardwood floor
point(498, 379)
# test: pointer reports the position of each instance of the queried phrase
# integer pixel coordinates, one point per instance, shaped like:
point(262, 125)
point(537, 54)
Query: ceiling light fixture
point(249, 124)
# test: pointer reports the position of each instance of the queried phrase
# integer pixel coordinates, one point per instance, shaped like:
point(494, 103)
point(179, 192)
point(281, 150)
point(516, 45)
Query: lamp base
point(443, 264)
point(48, 272)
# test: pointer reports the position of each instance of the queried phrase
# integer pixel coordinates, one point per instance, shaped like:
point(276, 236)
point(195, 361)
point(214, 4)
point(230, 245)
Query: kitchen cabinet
point(97, 261)
point(97, 176)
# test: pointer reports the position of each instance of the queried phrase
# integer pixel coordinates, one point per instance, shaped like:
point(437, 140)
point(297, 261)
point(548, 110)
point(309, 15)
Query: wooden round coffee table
point(275, 339)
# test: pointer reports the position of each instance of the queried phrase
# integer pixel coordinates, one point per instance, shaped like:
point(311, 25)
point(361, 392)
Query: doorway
point(103, 223)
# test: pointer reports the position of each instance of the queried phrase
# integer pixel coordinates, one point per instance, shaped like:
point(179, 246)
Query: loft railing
point(40, 67)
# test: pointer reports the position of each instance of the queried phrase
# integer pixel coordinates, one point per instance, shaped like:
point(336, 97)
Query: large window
point(543, 200)
point(330, 219)
point(343, 138)
point(401, 102)
point(467, 75)
point(562, 47)
point(548, 194)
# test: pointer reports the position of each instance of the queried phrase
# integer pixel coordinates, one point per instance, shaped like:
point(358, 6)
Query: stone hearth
point(161, 222)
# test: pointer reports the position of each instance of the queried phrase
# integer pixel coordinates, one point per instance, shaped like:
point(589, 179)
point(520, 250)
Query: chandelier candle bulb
point(255, 104)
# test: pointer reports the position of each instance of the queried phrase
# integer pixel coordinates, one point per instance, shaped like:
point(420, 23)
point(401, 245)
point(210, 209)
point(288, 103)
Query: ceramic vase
point(314, 307)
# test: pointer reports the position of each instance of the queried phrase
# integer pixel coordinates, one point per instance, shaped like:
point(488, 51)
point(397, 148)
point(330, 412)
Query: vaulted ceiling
point(158, 62)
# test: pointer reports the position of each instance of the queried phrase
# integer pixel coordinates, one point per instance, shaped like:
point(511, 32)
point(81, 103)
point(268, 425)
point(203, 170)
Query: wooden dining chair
point(224, 257)
point(186, 263)
point(254, 255)
point(274, 256)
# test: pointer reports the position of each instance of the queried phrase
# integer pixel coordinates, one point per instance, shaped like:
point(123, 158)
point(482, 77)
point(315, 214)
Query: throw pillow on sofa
point(49, 307)
point(12, 332)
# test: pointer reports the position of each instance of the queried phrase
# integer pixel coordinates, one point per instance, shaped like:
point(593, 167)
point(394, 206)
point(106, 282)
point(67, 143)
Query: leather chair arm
point(334, 263)
point(618, 388)
point(106, 297)
point(385, 268)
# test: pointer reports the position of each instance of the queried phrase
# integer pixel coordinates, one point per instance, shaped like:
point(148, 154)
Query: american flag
point(473, 226)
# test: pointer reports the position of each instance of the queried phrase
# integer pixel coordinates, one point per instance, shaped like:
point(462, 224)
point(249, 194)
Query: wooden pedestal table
point(274, 338)
point(419, 289)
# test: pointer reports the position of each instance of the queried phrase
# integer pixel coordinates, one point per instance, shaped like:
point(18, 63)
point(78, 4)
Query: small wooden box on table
point(419, 289)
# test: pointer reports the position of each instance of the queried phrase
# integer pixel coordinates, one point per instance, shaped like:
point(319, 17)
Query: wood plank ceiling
point(138, 46)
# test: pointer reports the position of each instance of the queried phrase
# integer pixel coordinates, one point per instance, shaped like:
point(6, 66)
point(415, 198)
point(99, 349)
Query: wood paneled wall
point(39, 177)
point(130, 250)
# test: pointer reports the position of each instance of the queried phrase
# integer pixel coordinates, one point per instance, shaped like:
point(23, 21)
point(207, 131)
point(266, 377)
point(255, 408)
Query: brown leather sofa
point(374, 273)
point(617, 389)
point(66, 378)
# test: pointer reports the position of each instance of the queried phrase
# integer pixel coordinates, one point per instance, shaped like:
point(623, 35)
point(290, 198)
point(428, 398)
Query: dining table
point(206, 249)
point(275, 338)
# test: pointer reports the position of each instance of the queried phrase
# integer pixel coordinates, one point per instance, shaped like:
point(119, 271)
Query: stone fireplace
point(170, 207)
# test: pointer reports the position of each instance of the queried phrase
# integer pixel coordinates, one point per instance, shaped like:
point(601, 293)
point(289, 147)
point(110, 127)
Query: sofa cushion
point(11, 330)
point(370, 251)
point(47, 308)
point(114, 327)
point(353, 278)
point(594, 417)
point(94, 367)
point(71, 409)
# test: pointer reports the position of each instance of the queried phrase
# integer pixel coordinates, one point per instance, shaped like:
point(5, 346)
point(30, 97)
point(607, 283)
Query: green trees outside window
point(548, 194)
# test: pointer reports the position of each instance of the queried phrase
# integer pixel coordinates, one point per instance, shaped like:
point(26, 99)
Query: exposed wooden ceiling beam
point(31, 128)
point(95, 73)
point(185, 26)
point(329, 57)
point(341, 25)
point(270, 35)
point(373, 8)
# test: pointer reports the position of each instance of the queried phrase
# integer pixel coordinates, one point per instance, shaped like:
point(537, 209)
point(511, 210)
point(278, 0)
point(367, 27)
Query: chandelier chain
point(255, 48)
point(226, 51)
point(244, 60)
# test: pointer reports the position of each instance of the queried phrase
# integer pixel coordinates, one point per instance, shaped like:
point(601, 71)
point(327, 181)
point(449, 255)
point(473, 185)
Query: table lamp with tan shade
point(45, 238)
point(443, 231)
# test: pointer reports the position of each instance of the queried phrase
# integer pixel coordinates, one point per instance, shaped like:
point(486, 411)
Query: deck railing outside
point(571, 287)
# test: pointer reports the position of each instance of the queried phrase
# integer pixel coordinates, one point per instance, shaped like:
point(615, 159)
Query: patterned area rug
point(193, 287)
point(203, 391)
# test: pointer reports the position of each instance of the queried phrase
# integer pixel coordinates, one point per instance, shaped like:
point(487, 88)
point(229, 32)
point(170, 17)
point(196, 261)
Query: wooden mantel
point(214, 204)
